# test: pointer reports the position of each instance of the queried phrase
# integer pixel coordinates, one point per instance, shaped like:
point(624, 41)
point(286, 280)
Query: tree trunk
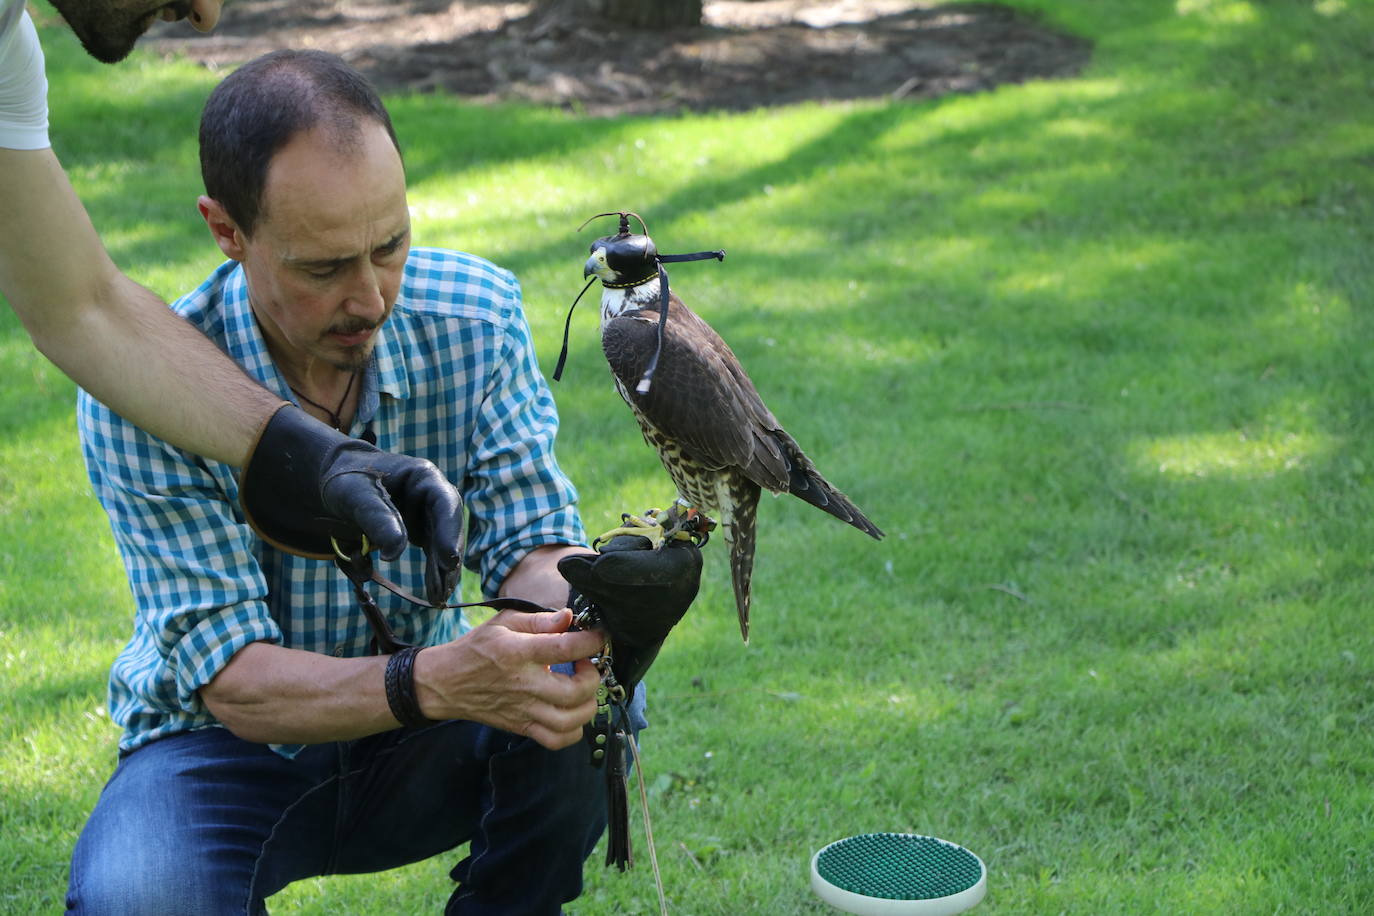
point(643, 14)
point(653, 14)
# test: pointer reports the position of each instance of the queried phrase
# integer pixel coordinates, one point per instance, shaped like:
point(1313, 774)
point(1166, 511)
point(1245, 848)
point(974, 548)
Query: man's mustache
point(354, 327)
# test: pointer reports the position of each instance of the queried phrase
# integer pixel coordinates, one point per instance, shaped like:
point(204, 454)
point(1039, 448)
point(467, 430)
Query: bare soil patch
point(748, 53)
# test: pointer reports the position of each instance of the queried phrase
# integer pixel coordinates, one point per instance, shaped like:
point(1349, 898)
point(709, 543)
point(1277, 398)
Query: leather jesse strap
point(357, 566)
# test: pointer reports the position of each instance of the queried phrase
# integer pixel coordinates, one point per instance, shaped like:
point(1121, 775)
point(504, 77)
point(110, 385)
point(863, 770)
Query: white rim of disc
point(864, 905)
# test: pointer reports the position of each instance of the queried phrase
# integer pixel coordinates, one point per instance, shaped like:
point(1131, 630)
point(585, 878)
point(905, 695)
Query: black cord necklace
point(335, 420)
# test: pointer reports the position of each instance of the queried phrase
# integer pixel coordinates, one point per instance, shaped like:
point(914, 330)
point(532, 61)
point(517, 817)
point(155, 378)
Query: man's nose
point(204, 14)
point(365, 299)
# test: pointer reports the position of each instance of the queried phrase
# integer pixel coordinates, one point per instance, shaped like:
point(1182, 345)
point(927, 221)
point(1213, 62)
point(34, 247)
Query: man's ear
point(222, 228)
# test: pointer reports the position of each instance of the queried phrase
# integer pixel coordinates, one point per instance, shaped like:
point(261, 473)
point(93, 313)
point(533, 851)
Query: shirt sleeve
point(517, 496)
point(23, 85)
point(196, 580)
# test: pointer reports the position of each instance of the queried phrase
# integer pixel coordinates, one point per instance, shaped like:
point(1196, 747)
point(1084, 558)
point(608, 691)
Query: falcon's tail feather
point(806, 483)
point(739, 534)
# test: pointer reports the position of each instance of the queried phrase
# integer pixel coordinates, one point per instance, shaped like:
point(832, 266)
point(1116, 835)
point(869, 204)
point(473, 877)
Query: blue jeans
point(206, 823)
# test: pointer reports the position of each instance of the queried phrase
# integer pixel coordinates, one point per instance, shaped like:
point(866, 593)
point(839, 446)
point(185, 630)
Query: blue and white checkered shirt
point(453, 379)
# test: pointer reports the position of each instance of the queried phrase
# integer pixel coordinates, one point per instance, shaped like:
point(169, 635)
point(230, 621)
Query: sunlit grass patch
point(1234, 454)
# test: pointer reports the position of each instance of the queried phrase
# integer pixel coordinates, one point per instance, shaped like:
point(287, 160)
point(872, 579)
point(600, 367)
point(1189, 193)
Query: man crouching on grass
point(259, 743)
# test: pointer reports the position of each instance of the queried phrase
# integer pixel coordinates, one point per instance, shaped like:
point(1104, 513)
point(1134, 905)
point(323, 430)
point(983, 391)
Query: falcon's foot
point(680, 522)
point(645, 526)
point(683, 522)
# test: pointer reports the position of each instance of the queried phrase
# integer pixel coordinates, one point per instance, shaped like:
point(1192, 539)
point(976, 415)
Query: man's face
point(325, 260)
point(108, 29)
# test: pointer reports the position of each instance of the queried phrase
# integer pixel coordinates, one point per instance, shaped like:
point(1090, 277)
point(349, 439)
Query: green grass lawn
point(1096, 353)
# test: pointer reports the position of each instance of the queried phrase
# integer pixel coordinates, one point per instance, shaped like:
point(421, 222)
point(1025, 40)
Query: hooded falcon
point(695, 404)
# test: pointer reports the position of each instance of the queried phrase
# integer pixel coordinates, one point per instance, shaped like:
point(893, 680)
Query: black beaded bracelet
point(400, 688)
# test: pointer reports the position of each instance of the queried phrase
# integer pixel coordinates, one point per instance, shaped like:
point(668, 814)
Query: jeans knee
point(121, 878)
point(100, 891)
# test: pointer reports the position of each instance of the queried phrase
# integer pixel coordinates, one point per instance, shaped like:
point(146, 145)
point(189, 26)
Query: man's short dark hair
point(258, 108)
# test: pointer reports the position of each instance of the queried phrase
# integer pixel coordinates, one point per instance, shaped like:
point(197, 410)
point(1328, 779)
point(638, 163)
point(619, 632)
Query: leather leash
point(357, 566)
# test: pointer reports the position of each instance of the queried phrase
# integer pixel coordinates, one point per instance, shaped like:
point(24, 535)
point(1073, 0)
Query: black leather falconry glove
point(637, 595)
point(305, 483)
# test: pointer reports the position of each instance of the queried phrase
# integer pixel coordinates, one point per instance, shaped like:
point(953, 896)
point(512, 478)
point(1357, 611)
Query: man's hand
point(499, 675)
point(305, 483)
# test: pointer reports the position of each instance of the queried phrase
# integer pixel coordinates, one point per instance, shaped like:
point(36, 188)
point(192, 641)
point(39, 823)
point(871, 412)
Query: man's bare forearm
point(274, 695)
point(497, 674)
point(536, 577)
point(116, 339)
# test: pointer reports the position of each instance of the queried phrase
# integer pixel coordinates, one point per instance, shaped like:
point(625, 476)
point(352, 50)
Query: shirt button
point(339, 651)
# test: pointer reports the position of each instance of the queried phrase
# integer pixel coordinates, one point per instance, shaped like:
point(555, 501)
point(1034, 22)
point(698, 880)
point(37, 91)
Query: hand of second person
point(498, 674)
point(305, 483)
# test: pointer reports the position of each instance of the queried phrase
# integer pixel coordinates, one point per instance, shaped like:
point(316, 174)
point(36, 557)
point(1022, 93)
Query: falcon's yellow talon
point(679, 522)
point(645, 526)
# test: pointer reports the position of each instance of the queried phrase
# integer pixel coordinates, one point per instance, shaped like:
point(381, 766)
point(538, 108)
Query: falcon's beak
point(596, 264)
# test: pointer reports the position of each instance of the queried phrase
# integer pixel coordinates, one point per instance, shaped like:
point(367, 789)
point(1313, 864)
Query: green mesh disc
point(899, 867)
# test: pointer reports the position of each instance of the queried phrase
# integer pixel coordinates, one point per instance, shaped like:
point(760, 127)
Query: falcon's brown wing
point(700, 397)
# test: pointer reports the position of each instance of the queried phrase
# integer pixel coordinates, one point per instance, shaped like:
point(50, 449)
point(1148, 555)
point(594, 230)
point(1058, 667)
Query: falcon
point(696, 405)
